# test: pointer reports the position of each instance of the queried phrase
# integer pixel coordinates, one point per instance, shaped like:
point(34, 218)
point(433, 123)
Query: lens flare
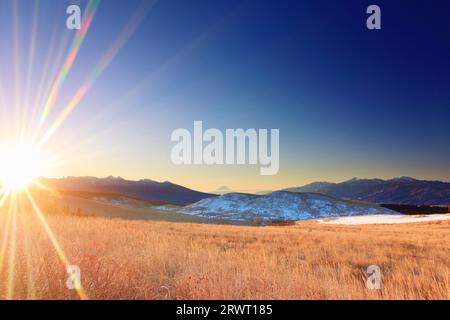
point(75, 48)
point(20, 165)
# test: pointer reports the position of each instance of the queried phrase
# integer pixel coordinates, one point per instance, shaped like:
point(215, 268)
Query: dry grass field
point(122, 259)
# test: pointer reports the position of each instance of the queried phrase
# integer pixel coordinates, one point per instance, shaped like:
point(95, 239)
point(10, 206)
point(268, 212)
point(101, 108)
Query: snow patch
point(123, 203)
point(386, 219)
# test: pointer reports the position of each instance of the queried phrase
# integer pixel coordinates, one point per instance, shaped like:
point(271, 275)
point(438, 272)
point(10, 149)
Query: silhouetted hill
point(144, 189)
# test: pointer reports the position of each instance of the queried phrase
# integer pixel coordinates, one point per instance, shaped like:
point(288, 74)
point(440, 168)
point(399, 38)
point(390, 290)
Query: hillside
point(110, 205)
point(143, 189)
point(278, 206)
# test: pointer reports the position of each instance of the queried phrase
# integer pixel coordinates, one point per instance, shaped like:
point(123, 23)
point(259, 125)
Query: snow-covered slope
point(279, 206)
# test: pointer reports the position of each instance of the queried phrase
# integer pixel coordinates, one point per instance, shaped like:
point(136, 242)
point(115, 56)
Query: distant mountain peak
point(222, 190)
point(112, 178)
point(151, 181)
point(404, 178)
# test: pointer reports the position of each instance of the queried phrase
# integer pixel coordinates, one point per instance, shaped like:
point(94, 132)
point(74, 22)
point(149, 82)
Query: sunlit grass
point(122, 259)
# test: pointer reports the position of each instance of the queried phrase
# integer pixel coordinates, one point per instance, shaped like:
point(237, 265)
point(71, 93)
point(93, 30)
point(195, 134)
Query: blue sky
point(348, 101)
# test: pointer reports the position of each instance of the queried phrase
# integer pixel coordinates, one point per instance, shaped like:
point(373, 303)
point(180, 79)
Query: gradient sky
point(348, 101)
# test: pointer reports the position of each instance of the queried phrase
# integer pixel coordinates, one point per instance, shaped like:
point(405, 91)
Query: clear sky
point(348, 101)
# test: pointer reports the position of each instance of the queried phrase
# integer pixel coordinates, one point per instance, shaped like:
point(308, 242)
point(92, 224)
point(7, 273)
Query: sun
point(20, 165)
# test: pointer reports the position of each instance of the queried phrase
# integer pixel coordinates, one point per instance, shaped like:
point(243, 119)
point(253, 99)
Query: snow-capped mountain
point(279, 206)
point(222, 190)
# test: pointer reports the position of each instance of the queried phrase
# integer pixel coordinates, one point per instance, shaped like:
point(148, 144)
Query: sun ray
point(73, 53)
point(4, 196)
point(6, 233)
point(3, 104)
point(31, 292)
point(31, 57)
point(81, 292)
point(44, 187)
point(101, 66)
point(12, 253)
point(48, 72)
point(17, 64)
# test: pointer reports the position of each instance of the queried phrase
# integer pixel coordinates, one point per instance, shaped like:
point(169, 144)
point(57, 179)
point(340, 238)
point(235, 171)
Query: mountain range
point(403, 190)
point(145, 189)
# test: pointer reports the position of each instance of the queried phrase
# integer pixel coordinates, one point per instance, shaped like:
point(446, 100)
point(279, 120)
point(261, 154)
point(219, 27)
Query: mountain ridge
point(399, 190)
point(144, 189)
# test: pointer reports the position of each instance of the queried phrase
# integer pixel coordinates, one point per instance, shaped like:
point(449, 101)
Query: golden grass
point(122, 259)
